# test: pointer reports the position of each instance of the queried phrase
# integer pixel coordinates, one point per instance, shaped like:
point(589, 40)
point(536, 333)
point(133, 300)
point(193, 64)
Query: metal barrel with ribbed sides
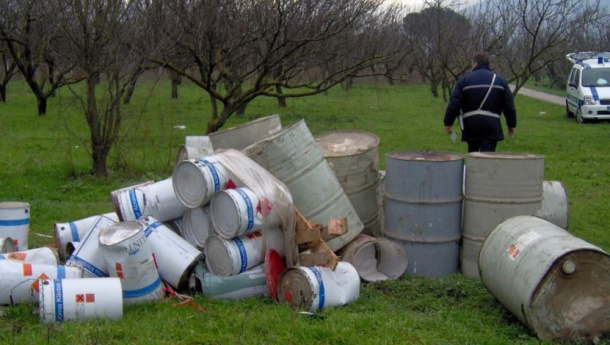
point(423, 209)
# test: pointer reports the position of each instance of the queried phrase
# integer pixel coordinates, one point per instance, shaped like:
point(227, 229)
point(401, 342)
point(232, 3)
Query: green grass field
point(44, 161)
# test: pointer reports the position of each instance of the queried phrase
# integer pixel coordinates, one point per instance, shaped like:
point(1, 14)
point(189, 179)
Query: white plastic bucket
point(175, 257)
point(87, 254)
point(80, 299)
point(73, 231)
point(316, 288)
point(375, 259)
point(42, 255)
point(196, 180)
point(18, 280)
point(230, 257)
point(15, 222)
point(129, 258)
point(196, 225)
point(149, 199)
point(235, 212)
point(7, 245)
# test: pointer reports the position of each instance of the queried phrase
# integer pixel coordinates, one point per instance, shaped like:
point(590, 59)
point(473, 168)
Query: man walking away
point(477, 100)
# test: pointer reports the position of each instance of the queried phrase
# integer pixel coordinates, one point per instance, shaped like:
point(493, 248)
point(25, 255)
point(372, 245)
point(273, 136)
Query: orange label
point(27, 270)
point(254, 234)
point(16, 256)
point(90, 298)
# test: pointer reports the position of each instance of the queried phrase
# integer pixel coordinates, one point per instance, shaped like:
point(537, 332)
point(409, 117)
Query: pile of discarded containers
point(224, 225)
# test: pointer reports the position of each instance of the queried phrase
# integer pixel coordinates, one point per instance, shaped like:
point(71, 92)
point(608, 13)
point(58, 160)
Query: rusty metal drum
point(498, 186)
point(554, 282)
point(423, 209)
point(354, 158)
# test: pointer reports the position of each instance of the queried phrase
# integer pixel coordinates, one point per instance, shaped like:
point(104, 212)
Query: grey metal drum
point(354, 158)
point(498, 186)
point(294, 158)
point(246, 134)
point(554, 282)
point(423, 209)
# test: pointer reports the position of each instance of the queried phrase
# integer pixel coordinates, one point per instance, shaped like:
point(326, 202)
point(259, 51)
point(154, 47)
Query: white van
point(588, 87)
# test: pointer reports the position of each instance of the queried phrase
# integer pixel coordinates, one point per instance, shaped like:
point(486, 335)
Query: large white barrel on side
point(498, 186)
point(42, 255)
point(80, 299)
point(230, 257)
point(87, 253)
point(252, 282)
point(175, 257)
point(354, 158)
point(129, 258)
point(156, 199)
point(195, 181)
point(315, 288)
point(295, 159)
point(73, 231)
point(554, 282)
point(19, 280)
point(15, 222)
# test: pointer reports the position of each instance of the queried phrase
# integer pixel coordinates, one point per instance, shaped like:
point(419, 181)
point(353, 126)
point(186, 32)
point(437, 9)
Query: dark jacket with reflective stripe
point(467, 95)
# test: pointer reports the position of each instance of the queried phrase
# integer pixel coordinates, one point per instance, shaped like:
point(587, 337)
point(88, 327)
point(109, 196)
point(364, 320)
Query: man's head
point(480, 59)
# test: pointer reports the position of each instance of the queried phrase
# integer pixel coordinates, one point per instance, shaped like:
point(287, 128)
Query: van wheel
point(568, 112)
point(579, 117)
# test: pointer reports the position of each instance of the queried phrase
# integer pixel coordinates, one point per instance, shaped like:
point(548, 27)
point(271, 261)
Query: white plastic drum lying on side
point(196, 225)
point(148, 199)
point(80, 299)
point(129, 258)
point(315, 288)
point(15, 222)
point(42, 255)
point(230, 257)
point(195, 181)
point(87, 253)
point(7, 245)
point(73, 231)
point(375, 259)
point(554, 282)
point(175, 257)
point(19, 280)
point(252, 282)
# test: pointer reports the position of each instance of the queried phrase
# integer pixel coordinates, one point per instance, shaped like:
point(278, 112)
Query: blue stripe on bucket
point(87, 266)
point(243, 256)
point(74, 232)
point(214, 172)
point(59, 300)
point(594, 93)
point(61, 272)
point(134, 204)
point(143, 291)
point(14, 222)
point(149, 229)
point(322, 294)
point(2, 257)
point(249, 208)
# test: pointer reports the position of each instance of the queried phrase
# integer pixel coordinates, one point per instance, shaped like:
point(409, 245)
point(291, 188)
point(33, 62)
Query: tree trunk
point(100, 155)
point(42, 104)
point(129, 92)
point(281, 100)
point(2, 93)
point(175, 84)
point(434, 88)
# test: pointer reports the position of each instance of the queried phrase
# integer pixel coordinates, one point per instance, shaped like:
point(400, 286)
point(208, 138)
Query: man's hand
point(449, 130)
point(511, 131)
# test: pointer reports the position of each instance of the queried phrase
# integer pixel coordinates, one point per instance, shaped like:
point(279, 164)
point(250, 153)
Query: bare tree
point(104, 40)
point(7, 71)
point(239, 50)
point(30, 31)
point(544, 34)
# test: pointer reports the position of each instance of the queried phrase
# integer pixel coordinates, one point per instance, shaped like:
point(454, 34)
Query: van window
point(596, 77)
point(573, 77)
